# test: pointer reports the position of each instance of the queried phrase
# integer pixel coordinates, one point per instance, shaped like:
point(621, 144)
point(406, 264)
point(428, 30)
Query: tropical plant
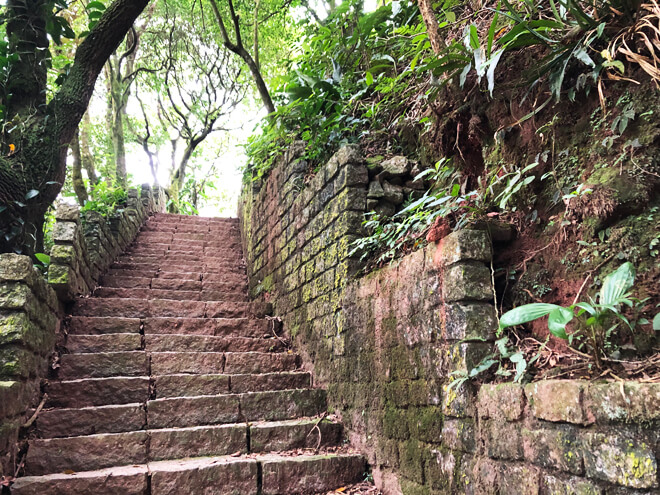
point(506, 357)
point(105, 199)
point(596, 320)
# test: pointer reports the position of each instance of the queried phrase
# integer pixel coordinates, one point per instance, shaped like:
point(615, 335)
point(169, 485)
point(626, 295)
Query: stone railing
point(385, 345)
point(31, 306)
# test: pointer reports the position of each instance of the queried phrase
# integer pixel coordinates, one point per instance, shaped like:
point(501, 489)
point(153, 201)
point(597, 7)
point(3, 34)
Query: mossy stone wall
point(384, 346)
point(32, 306)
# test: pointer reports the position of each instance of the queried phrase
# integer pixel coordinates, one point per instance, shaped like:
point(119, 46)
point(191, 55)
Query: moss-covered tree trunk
point(33, 168)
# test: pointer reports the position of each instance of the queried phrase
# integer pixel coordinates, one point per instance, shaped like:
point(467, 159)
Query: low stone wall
point(83, 250)
point(31, 306)
point(385, 344)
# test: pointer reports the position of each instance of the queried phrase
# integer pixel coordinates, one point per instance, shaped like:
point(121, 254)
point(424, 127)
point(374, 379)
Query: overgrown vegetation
point(484, 103)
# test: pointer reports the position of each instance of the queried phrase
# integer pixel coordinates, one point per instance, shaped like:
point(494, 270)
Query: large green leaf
point(617, 283)
point(557, 321)
point(525, 313)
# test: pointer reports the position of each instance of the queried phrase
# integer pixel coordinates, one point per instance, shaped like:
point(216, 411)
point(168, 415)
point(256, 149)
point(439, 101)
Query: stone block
point(467, 355)
point(459, 402)
point(621, 459)
point(569, 486)
point(466, 281)
point(474, 321)
point(559, 449)
point(396, 166)
point(16, 328)
point(15, 398)
point(619, 402)
point(65, 232)
point(504, 401)
point(465, 245)
point(519, 480)
point(558, 401)
point(412, 457)
point(67, 212)
point(62, 254)
point(18, 362)
point(503, 440)
point(15, 267)
point(460, 434)
point(310, 474)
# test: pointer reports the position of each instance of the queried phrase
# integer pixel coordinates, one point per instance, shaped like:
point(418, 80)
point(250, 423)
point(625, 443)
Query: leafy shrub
point(596, 320)
point(350, 73)
point(105, 199)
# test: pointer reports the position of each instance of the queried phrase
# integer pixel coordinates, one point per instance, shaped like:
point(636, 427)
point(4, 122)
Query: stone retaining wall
point(385, 344)
point(31, 306)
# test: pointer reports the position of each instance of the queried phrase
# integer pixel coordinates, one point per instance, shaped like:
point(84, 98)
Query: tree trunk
point(240, 50)
point(39, 161)
point(76, 171)
point(86, 152)
point(431, 22)
point(258, 79)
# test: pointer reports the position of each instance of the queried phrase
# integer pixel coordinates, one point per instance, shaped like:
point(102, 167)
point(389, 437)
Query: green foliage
point(509, 359)
point(388, 237)
point(597, 319)
point(351, 75)
point(105, 199)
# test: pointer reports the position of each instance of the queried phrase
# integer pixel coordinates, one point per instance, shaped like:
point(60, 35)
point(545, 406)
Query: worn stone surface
point(618, 402)
point(502, 401)
point(569, 486)
point(86, 453)
point(192, 411)
point(623, 460)
point(180, 385)
point(101, 365)
point(90, 420)
point(309, 474)
point(466, 282)
point(396, 166)
point(127, 480)
point(296, 434)
point(557, 401)
point(97, 391)
point(465, 245)
point(197, 441)
point(210, 476)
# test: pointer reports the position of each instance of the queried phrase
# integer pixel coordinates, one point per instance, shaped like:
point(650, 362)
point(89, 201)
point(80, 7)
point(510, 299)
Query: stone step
point(140, 363)
point(86, 453)
point(103, 365)
point(88, 392)
point(68, 422)
point(219, 409)
point(124, 480)
point(125, 342)
point(116, 342)
point(91, 325)
point(266, 474)
point(229, 283)
point(142, 308)
point(209, 343)
point(50, 455)
point(185, 385)
point(225, 327)
point(215, 267)
point(179, 295)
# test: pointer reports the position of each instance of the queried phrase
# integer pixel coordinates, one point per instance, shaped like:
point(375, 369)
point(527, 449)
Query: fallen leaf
point(69, 471)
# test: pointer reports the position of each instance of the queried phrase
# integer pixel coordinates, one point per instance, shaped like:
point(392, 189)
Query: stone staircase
point(175, 383)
